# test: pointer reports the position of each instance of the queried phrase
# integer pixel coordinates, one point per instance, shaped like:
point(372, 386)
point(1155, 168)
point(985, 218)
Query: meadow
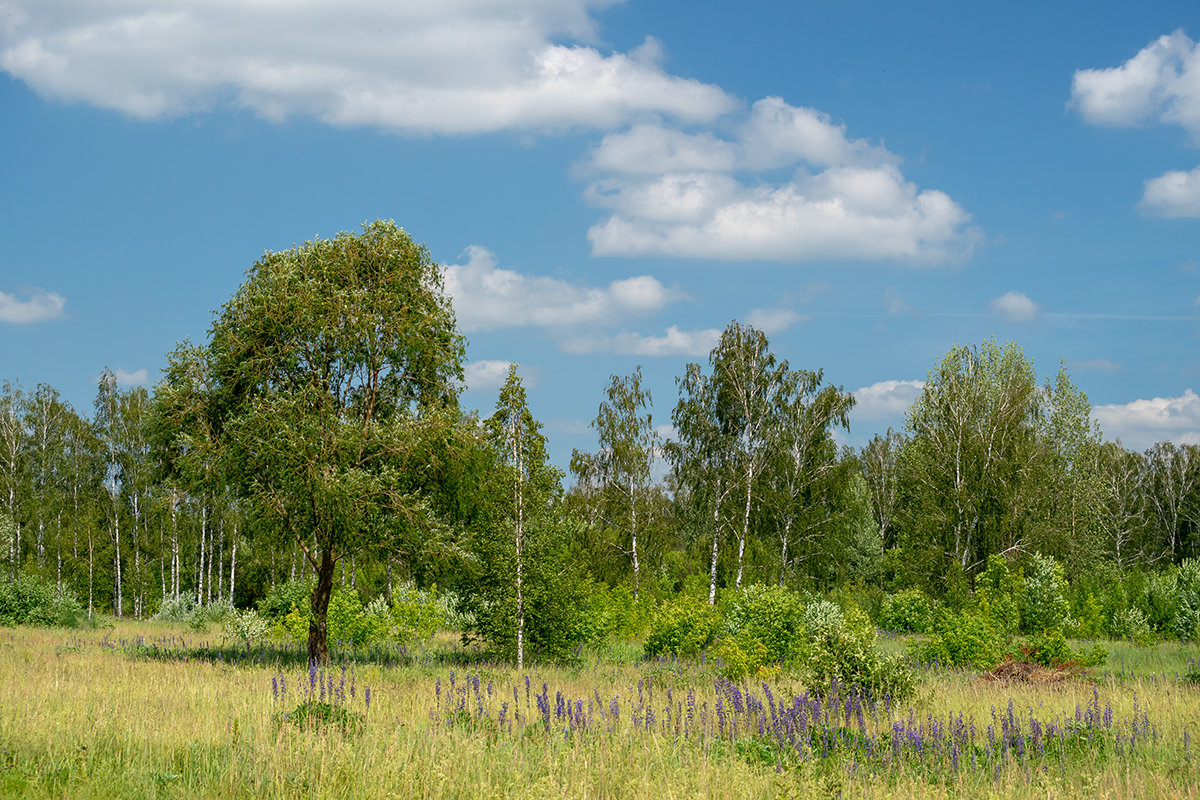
point(147, 710)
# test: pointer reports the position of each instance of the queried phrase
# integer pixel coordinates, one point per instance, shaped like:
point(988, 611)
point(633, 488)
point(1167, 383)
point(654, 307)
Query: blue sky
point(609, 184)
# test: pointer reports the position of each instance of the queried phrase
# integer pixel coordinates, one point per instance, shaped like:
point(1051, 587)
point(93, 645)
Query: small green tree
point(1044, 605)
point(525, 593)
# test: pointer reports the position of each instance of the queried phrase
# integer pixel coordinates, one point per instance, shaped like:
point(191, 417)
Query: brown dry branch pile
point(1031, 672)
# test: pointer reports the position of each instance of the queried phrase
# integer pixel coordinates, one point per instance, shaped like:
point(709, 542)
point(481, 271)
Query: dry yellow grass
point(82, 717)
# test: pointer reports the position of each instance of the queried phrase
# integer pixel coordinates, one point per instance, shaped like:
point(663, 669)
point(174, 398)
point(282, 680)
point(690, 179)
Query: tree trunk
point(233, 563)
point(745, 527)
point(712, 574)
point(117, 562)
point(200, 562)
point(637, 571)
point(318, 641)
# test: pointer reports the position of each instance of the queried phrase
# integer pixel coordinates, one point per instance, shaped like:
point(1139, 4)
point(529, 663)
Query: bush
point(968, 638)
point(282, 597)
point(997, 593)
point(346, 620)
point(1186, 624)
point(841, 645)
point(176, 609)
point(763, 626)
point(682, 627)
point(1044, 604)
point(33, 600)
point(245, 626)
point(416, 614)
point(1159, 601)
point(1131, 624)
point(770, 615)
point(908, 611)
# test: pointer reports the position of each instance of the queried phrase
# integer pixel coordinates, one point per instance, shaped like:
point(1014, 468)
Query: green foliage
point(682, 627)
point(246, 626)
point(1159, 601)
point(967, 638)
point(1044, 604)
point(612, 612)
point(347, 620)
point(1131, 624)
point(176, 609)
point(763, 626)
point(770, 615)
point(319, 715)
point(417, 614)
point(841, 645)
point(33, 600)
point(907, 611)
point(997, 593)
point(1087, 619)
point(282, 597)
point(1186, 624)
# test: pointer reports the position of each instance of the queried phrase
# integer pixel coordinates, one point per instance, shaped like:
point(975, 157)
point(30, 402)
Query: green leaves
point(325, 374)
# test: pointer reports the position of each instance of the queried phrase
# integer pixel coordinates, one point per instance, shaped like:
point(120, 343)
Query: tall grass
point(154, 711)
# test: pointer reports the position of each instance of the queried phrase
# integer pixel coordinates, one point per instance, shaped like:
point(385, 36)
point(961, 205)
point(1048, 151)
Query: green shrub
point(346, 620)
point(246, 627)
point(416, 614)
point(282, 597)
point(1159, 601)
point(769, 615)
point(968, 638)
point(841, 645)
point(1086, 619)
point(682, 627)
point(1044, 604)
point(176, 609)
point(33, 600)
point(997, 594)
point(1186, 624)
point(1131, 624)
point(907, 611)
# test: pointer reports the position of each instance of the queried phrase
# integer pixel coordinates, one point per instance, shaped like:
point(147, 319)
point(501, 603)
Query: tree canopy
point(326, 371)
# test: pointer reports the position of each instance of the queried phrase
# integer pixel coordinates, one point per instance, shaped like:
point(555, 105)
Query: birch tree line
point(747, 484)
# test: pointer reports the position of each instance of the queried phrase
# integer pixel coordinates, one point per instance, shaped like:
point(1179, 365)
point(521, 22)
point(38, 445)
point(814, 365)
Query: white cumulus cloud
point(1141, 423)
point(487, 297)
point(774, 320)
point(885, 399)
point(138, 377)
point(673, 342)
point(1015, 307)
point(694, 195)
point(1174, 194)
point(455, 66)
point(485, 374)
point(1161, 83)
point(39, 306)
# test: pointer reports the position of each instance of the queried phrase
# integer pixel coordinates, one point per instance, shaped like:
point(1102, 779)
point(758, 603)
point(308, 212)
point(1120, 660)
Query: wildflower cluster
point(325, 697)
point(847, 725)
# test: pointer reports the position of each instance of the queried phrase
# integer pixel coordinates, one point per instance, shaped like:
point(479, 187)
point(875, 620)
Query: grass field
point(147, 710)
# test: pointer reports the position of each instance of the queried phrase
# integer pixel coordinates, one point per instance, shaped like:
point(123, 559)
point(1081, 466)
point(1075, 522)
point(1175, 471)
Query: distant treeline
point(990, 461)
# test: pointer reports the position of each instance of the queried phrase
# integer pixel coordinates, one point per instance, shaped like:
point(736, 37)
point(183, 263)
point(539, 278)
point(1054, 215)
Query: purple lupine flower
point(367, 696)
point(274, 687)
